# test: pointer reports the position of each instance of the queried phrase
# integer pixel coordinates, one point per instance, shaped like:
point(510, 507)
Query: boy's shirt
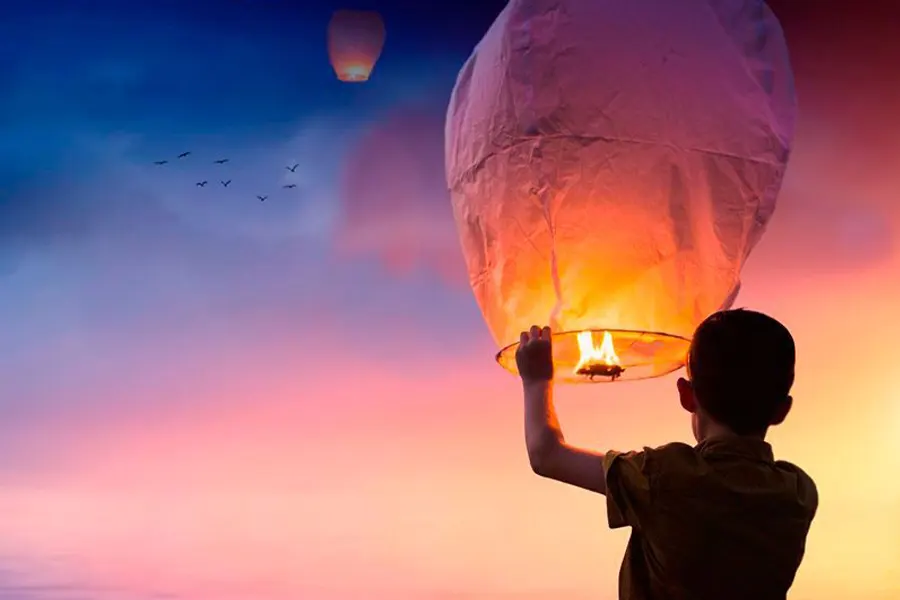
point(721, 521)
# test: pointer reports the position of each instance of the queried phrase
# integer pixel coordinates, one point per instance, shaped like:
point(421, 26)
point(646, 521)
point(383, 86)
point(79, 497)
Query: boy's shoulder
point(677, 461)
point(673, 454)
point(805, 486)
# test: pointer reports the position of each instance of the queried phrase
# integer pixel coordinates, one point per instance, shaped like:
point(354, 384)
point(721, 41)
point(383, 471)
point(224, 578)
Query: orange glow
point(355, 40)
point(226, 500)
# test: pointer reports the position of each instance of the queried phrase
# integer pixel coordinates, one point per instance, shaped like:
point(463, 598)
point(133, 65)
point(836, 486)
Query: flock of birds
point(227, 182)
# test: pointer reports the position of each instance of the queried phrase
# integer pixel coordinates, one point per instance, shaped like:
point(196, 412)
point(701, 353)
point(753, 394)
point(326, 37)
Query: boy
point(722, 520)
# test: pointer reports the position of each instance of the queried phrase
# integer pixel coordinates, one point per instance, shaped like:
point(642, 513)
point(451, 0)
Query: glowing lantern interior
point(355, 72)
point(619, 355)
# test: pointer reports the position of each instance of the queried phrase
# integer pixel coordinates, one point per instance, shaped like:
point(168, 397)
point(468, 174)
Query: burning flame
point(592, 355)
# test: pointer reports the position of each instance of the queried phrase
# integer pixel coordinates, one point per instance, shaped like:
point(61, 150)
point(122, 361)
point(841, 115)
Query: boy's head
point(740, 371)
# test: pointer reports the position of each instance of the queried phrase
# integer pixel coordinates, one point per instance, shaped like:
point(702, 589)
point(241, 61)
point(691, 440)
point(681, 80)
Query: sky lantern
point(355, 40)
point(611, 166)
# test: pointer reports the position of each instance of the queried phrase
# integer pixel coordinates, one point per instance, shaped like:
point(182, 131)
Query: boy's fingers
point(535, 332)
point(523, 338)
point(546, 333)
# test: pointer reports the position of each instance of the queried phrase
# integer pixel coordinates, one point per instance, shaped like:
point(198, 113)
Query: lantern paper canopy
point(355, 40)
point(611, 166)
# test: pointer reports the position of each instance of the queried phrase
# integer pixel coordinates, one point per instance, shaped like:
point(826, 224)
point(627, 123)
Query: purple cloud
point(394, 203)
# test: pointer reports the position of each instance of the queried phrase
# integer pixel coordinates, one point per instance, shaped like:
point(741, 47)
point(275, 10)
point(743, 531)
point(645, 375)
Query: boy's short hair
point(741, 366)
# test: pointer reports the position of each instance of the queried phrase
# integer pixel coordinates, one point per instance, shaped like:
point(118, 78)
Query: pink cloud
point(394, 200)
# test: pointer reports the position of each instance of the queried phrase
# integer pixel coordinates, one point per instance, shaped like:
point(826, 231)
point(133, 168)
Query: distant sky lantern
point(611, 166)
point(355, 40)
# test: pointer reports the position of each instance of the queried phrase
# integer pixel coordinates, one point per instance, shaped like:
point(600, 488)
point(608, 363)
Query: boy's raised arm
point(548, 452)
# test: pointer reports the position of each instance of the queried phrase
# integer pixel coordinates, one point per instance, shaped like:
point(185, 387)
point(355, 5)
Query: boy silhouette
point(722, 520)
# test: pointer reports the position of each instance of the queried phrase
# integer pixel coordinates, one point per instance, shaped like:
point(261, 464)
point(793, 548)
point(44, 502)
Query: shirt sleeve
point(628, 483)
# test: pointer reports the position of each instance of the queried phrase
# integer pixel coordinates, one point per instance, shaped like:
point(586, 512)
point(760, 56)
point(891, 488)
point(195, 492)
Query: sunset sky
point(206, 397)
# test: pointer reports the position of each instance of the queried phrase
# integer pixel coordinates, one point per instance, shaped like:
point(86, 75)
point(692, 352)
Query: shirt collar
point(746, 447)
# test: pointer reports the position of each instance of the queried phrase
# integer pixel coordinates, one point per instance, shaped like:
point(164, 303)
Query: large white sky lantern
point(612, 163)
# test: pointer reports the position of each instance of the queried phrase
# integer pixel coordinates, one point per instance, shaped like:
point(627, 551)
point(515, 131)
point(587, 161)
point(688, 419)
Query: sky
point(205, 396)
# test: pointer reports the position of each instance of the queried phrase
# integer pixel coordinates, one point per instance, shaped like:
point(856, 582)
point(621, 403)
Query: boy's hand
point(534, 356)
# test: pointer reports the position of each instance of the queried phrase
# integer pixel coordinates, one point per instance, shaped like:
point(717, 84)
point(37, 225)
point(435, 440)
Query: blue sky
point(161, 76)
point(113, 272)
point(97, 245)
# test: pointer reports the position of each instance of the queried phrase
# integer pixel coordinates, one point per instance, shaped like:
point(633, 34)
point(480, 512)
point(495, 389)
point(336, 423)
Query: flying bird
point(262, 198)
point(160, 162)
point(293, 168)
point(225, 183)
point(201, 183)
point(290, 185)
point(221, 161)
point(183, 154)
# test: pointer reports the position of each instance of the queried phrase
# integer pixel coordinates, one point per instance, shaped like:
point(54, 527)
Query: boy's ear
point(782, 411)
point(686, 395)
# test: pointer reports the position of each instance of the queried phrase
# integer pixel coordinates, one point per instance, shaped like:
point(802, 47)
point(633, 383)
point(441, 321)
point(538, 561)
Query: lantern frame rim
point(658, 368)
